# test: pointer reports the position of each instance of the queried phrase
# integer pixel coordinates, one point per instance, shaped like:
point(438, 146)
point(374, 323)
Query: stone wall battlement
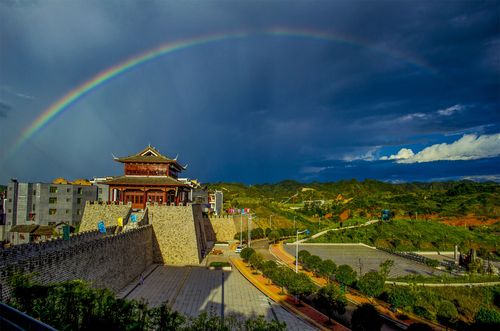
point(110, 261)
point(108, 213)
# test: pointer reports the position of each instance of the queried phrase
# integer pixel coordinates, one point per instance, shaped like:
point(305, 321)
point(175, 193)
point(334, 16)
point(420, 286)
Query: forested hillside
point(445, 201)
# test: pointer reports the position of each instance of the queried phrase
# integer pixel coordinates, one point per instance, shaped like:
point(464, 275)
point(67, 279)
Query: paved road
point(368, 259)
point(193, 290)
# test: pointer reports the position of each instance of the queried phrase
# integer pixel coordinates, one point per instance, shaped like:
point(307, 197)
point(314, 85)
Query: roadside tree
point(326, 269)
point(312, 263)
point(302, 255)
point(274, 236)
point(366, 318)
point(385, 268)
point(345, 274)
point(256, 260)
point(371, 283)
point(246, 253)
point(332, 299)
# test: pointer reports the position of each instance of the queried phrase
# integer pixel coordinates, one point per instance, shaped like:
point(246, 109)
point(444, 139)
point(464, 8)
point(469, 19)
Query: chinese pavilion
point(149, 177)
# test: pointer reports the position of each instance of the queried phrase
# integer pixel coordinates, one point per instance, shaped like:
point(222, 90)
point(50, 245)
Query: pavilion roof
point(145, 180)
point(149, 155)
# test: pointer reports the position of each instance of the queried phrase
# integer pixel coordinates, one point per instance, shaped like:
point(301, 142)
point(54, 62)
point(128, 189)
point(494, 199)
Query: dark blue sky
point(403, 91)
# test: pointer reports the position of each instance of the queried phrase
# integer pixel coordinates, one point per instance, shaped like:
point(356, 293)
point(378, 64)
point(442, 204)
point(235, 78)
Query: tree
point(256, 260)
point(345, 275)
point(332, 299)
point(385, 268)
point(302, 255)
point(447, 312)
point(273, 236)
point(371, 283)
point(312, 263)
point(246, 253)
point(300, 284)
point(366, 318)
point(326, 269)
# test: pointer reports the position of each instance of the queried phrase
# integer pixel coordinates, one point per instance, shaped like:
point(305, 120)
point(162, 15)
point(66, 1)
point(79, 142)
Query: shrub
point(487, 318)
point(401, 297)
point(432, 263)
point(446, 312)
point(219, 264)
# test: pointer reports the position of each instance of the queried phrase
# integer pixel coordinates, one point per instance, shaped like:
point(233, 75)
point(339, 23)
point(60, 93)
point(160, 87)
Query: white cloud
point(469, 147)
point(411, 117)
point(403, 154)
point(450, 110)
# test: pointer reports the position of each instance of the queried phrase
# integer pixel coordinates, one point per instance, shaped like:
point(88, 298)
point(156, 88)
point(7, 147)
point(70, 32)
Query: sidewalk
point(280, 253)
point(305, 311)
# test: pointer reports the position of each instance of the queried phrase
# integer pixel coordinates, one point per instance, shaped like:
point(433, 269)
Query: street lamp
point(297, 249)
point(270, 216)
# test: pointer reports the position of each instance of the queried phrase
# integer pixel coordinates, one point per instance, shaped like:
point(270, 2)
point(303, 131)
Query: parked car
point(238, 249)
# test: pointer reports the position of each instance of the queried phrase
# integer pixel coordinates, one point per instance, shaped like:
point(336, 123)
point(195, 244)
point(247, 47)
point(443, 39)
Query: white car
point(238, 249)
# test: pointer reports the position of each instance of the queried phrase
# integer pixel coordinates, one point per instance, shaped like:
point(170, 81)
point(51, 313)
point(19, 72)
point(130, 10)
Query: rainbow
point(77, 93)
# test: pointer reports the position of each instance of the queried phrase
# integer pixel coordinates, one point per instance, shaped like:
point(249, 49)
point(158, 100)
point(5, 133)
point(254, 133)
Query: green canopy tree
point(302, 255)
point(345, 274)
point(332, 299)
point(326, 269)
point(371, 283)
point(300, 285)
point(273, 236)
point(366, 318)
point(246, 253)
point(256, 260)
point(312, 263)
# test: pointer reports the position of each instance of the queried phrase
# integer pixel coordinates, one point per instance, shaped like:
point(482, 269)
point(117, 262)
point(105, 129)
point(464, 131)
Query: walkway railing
point(13, 319)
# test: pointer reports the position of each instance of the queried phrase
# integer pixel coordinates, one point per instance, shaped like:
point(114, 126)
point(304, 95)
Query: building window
point(79, 200)
point(53, 189)
point(34, 206)
point(10, 200)
point(80, 190)
point(67, 199)
point(67, 211)
point(53, 200)
point(34, 192)
point(67, 190)
point(100, 190)
point(10, 188)
point(52, 211)
point(78, 211)
point(9, 211)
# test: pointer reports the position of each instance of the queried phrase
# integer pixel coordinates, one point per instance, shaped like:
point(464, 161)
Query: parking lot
point(364, 259)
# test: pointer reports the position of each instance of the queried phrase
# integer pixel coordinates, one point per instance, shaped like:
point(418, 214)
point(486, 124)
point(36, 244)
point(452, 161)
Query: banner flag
point(120, 221)
point(66, 232)
point(101, 227)
point(133, 218)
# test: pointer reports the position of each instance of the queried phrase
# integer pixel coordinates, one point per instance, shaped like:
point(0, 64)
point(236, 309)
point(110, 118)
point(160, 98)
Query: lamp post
point(270, 216)
point(241, 229)
point(297, 249)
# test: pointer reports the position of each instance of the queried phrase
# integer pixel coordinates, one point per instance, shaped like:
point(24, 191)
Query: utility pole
point(241, 229)
point(294, 222)
point(249, 227)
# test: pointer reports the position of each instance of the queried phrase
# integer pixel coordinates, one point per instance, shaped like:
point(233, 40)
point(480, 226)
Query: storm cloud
point(354, 88)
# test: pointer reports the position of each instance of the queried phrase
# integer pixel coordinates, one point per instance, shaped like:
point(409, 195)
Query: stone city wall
point(178, 234)
point(220, 228)
point(109, 213)
point(110, 261)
